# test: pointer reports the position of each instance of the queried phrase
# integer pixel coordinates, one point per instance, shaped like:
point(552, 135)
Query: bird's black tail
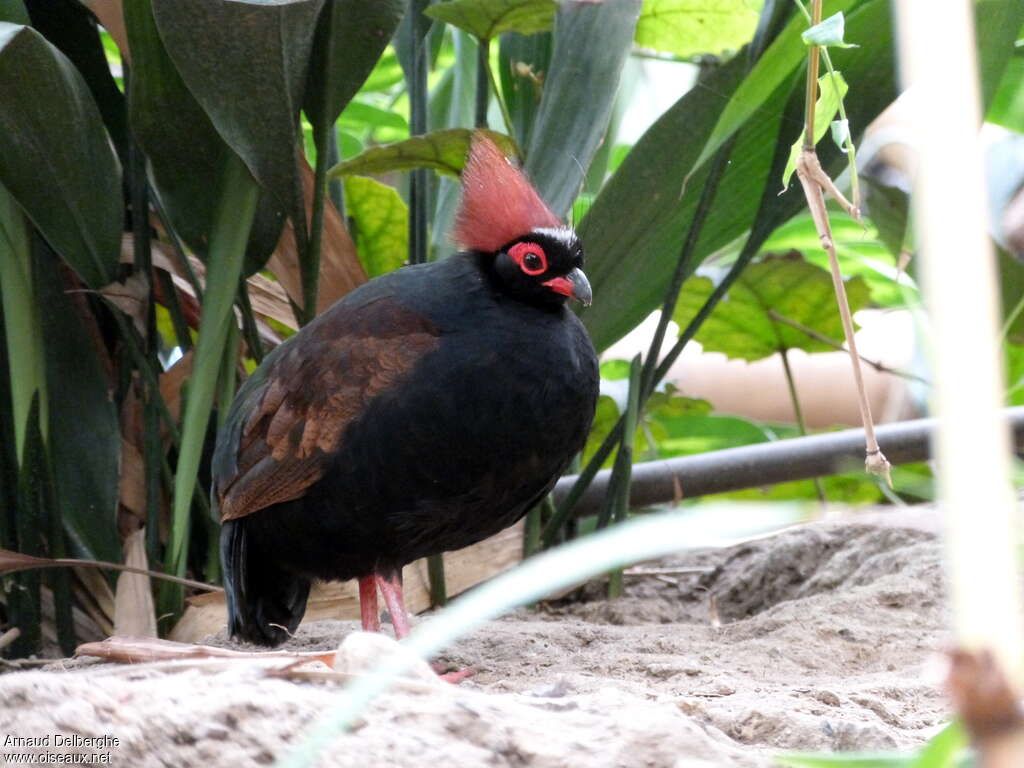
point(265, 602)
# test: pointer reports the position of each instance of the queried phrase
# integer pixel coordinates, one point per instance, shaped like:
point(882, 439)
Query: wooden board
point(206, 614)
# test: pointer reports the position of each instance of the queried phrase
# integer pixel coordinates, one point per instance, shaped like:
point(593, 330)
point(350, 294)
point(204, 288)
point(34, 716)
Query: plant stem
point(482, 88)
point(232, 221)
point(71, 562)
point(797, 410)
point(811, 94)
point(505, 115)
point(311, 264)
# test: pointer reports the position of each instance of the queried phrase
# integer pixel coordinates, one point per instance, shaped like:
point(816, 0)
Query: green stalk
point(250, 331)
point(618, 496)
point(21, 319)
point(310, 265)
point(438, 584)
point(233, 219)
point(483, 53)
point(798, 410)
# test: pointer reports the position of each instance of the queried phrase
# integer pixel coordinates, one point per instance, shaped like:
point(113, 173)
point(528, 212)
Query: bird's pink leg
point(391, 589)
point(368, 604)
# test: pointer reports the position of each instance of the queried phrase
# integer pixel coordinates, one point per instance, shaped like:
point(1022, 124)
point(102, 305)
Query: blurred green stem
point(232, 221)
point(483, 78)
point(798, 410)
point(21, 321)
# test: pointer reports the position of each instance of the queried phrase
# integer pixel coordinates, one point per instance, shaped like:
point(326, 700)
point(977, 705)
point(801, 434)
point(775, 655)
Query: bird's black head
point(543, 267)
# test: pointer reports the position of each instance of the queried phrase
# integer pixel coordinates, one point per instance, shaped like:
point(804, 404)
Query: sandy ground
point(820, 638)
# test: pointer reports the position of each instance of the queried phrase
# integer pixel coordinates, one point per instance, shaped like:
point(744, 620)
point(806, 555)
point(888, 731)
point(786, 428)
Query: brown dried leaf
point(268, 299)
point(171, 382)
point(340, 268)
point(15, 561)
point(134, 612)
point(130, 297)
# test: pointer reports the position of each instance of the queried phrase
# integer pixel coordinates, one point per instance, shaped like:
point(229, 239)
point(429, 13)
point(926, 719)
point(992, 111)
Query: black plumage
point(428, 409)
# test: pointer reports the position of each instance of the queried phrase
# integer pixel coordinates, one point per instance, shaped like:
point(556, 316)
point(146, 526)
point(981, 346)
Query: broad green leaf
point(590, 44)
point(615, 370)
point(71, 28)
point(831, 91)
point(782, 58)
point(67, 181)
point(29, 524)
point(486, 19)
point(13, 11)
point(633, 232)
point(444, 151)
point(245, 62)
point(1014, 358)
point(887, 207)
point(386, 74)
point(860, 251)
point(185, 152)
point(690, 27)
point(84, 435)
point(380, 224)
point(828, 32)
point(350, 37)
point(743, 326)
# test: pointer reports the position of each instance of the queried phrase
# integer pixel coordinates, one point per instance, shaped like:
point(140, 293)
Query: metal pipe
point(799, 458)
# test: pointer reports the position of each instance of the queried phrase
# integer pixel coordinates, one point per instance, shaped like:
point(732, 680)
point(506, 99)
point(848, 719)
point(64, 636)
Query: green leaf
point(184, 149)
point(444, 151)
point(615, 370)
point(361, 114)
point(351, 35)
point(690, 27)
point(633, 232)
point(245, 62)
point(1007, 107)
point(84, 427)
point(831, 91)
point(776, 66)
point(828, 32)
point(591, 42)
point(67, 181)
point(997, 24)
point(876, 760)
point(743, 326)
point(1011, 287)
point(381, 224)
point(486, 19)
point(14, 12)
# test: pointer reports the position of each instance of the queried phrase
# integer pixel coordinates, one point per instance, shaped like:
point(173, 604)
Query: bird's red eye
point(530, 258)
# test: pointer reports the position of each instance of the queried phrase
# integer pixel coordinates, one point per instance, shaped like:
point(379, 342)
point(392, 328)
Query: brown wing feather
point(313, 390)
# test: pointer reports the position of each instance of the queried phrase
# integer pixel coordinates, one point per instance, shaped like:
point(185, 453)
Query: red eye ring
point(529, 257)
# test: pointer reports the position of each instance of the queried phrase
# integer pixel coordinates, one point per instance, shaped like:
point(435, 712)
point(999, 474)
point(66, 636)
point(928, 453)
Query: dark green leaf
point(591, 43)
point(246, 63)
point(71, 28)
point(690, 27)
point(23, 606)
point(887, 207)
point(350, 37)
point(633, 232)
point(67, 181)
point(13, 11)
point(742, 325)
point(84, 433)
point(381, 224)
point(486, 19)
point(829, 32)
point(444, 151)
point(358, 113)
point(1011, 285)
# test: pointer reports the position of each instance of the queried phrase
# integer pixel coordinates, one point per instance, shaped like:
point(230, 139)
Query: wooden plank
point(464, 569)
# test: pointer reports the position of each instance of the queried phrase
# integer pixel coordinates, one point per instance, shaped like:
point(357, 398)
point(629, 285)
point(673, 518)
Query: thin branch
point(810, 332)
point(800, 422)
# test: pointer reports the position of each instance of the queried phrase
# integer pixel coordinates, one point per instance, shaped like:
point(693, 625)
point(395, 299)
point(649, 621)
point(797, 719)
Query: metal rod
point(732, 469)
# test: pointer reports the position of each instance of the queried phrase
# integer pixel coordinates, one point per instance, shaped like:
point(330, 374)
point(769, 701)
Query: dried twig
point(816, 183)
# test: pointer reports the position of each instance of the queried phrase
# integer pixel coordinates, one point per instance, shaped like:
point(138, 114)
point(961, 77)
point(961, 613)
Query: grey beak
point(580, 287)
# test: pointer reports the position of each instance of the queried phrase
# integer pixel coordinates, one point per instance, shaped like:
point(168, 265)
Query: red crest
point(498, 202)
